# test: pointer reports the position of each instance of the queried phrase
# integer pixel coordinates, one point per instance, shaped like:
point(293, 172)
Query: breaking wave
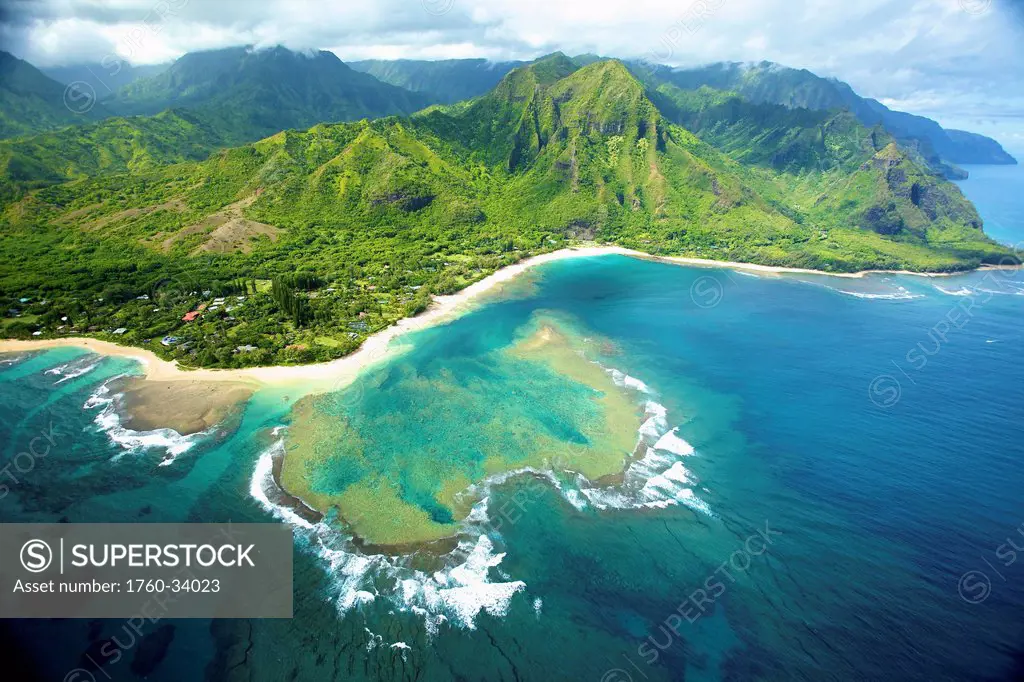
point(900, 295)
point(109, 421)
point(76, 368)
point(467, 580)
point(457, 591)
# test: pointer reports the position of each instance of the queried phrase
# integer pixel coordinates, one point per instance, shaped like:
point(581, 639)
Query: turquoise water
point(844, 513)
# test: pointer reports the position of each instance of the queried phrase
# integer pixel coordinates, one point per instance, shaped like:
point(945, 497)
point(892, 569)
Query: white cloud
point(957, 58)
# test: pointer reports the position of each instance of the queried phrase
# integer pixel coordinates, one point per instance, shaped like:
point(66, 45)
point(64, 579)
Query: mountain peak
point(32, 101)
point(552, 67)
point(257, 91)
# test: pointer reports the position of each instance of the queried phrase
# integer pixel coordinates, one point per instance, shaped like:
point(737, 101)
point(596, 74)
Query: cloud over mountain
point(955, 60)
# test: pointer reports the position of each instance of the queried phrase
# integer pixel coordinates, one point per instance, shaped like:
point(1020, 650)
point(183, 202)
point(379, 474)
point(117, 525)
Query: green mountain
point(339, 230)
point(115, 145)
point(106, 77)
point(258, 92)
point(31, 102)
point(220, 98)
point(766, 82)
point(445, 81)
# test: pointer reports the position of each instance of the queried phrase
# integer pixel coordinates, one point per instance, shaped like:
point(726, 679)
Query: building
point(189, 317)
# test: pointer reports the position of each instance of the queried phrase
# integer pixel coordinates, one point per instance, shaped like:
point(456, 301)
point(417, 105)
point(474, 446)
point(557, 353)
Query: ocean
point(826, 485)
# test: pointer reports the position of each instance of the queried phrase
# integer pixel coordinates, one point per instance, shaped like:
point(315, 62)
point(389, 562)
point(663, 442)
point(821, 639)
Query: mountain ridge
point(32, 102)
point(263, 91)
point(339, 230)
point(767, 82)
point(763, 82)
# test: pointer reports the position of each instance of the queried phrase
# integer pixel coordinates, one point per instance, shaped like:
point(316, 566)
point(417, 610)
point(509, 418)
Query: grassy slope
point(380, 214)
point(112, 146)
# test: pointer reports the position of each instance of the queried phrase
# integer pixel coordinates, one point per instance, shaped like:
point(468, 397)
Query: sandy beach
point(338, 373)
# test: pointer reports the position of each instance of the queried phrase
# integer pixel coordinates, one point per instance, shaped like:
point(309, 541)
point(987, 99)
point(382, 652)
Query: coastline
point(340, 372)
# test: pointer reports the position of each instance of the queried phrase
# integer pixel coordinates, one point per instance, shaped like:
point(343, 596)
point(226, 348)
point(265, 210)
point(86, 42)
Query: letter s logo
point(36, 556)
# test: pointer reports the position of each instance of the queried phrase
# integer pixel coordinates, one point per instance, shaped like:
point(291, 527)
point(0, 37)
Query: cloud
point(946, 58)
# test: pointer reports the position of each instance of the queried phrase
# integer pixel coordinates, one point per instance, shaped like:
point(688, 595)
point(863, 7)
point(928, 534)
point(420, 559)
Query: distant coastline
point(338, 373)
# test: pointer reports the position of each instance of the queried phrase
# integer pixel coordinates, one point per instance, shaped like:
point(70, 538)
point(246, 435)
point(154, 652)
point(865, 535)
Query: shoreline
point(340, 372)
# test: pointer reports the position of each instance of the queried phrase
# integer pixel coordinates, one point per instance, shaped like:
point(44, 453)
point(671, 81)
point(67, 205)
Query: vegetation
point(252, 93)
point(298, 246)
point(769, 83)
point(115, 145)
point(31, 102)
point(209, 100)
point(446, 81)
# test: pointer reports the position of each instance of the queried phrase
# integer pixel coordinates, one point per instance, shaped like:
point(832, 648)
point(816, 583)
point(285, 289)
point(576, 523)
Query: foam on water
point(902, 295)
point(658, 480)
point(455, 593)
point(656, 423)
point(626, 381)
point(131, 441)
point(1004, 287)
point(263, 480)
point(470, 580)
point(962, 291)
point(75, 368)
point(671, 442)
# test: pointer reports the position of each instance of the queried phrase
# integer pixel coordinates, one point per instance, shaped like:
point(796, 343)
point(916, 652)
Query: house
point(190, 317)
point(37, 333)
point(144, 297)
point(120, 330)
point(169, 340)
point(245, 349)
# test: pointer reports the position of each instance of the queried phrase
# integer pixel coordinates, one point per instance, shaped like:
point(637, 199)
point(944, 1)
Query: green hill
point(253, 93)
point(760, 83)
point(114, 145)
point(105, 77)
point(766, 82)
point(209, 100)
point(445, 81)
point(31, 102)
point(339, 230)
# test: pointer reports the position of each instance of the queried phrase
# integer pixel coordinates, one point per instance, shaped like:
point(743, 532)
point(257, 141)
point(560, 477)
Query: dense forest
point(296, 247)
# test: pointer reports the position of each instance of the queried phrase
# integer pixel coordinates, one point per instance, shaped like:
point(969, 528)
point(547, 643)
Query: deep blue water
point(995, 190)
point(857, 459)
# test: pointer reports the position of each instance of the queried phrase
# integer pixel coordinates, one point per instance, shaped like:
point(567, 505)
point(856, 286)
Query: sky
point(958, 61)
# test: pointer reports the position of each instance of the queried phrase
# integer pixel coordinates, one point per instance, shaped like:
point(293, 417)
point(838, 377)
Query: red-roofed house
point(189, 317)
